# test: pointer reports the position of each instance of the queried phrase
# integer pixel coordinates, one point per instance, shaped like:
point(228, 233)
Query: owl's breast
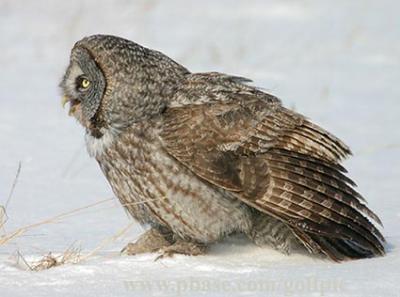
point(155, 188)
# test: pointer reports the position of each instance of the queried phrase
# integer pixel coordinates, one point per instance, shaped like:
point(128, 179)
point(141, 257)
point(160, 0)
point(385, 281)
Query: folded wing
point(279, 163)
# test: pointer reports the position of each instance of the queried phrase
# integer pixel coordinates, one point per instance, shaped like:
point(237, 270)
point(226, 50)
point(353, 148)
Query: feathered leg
point(272, 232)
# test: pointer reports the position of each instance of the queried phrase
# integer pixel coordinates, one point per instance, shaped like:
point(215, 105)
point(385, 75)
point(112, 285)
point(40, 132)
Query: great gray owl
point(199, 156)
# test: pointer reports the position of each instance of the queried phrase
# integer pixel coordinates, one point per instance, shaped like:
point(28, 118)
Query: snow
point(336, 62)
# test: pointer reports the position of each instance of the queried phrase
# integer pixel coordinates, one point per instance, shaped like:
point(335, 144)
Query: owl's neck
point(96, 144)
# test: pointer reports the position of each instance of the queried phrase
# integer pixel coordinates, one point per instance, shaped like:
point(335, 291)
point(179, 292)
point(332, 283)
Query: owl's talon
point(149, 242)
point(182, 248)
point(163, 255)
point(133, 249)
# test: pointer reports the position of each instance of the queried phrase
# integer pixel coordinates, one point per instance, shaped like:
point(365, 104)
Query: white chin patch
point(97, 146)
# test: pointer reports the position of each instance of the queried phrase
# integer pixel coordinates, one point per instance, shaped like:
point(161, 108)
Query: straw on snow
point(71, 255)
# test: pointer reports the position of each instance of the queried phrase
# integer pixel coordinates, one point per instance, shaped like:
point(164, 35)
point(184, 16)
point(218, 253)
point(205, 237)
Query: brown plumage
point(200, 156)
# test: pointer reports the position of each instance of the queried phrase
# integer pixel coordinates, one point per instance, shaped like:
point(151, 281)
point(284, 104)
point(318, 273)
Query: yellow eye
point(85, 83)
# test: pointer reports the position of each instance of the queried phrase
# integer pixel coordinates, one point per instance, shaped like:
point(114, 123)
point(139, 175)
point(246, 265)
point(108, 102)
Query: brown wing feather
point(279, 163)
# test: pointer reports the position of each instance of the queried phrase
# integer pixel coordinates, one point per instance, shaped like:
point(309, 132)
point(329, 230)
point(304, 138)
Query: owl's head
point(113, 82)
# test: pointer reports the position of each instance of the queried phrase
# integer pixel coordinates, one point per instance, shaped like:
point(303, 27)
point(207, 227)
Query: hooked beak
point(73, 104)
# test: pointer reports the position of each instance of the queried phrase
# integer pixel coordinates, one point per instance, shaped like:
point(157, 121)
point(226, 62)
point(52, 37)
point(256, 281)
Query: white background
point(337, 62)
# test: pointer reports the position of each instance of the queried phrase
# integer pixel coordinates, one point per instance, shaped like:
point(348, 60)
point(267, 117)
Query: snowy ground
point(337, 62)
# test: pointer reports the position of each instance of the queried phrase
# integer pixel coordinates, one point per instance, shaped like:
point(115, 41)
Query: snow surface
point(337, 62)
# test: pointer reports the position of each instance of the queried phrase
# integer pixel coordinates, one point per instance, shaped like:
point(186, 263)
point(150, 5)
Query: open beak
point(73, 104)
point(64, 101)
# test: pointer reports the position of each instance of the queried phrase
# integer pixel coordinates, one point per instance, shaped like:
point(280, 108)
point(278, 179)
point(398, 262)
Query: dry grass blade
point(3, 216)
point(108, 240)
point(3, 209)
point(13, 185)
point(21, 262)
point(119, 233)
point(7, 237)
